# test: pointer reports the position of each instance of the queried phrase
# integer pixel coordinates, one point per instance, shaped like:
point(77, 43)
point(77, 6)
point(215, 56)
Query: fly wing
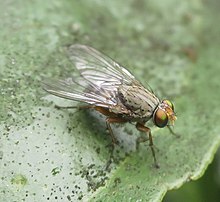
point(99, 69)
point(72, 89)
point(98, 82)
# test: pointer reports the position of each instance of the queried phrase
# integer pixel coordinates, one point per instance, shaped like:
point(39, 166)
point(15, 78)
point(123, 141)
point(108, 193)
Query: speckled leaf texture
point(50, 154)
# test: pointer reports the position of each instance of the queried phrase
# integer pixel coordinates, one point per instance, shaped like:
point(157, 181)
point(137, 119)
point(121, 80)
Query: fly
point(112, 90)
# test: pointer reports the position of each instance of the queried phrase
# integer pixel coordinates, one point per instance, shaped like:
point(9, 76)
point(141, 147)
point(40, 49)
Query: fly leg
point(147, 130)
point(74, 107)
point(172, 132)
point(110, 120)
point(140, 140)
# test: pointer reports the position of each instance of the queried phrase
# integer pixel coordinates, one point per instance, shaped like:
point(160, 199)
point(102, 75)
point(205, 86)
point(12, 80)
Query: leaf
point(62, 154)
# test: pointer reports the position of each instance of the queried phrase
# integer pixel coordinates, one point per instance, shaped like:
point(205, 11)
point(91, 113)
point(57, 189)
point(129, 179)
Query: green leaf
point(48, 154)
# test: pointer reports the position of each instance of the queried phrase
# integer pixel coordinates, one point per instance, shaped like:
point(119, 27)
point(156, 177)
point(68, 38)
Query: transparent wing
point(99, 78)
point(98, 69)
point(73, 89)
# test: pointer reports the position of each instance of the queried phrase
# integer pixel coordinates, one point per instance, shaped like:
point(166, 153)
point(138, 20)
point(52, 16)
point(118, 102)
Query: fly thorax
point(140, 101)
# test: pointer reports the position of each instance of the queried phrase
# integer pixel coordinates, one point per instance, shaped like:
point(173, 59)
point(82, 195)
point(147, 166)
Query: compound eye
point(160, 118)
point(169, 103)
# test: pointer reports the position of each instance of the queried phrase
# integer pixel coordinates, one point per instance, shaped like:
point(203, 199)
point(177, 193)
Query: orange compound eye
point(169, 103)
point(160, 118)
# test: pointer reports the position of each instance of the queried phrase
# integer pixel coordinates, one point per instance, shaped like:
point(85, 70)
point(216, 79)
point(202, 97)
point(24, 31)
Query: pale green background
point(57, 155)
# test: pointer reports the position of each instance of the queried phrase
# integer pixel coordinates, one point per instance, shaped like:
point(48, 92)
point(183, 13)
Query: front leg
point(172, 132)
point(141, 127)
